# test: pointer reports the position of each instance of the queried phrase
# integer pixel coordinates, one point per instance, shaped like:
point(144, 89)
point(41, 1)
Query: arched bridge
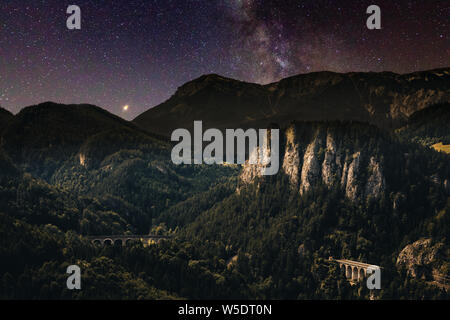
point(126, 239)
point(354, 270)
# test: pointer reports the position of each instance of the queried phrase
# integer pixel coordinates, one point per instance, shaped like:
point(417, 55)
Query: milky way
point(137, 53)
point(282, 38)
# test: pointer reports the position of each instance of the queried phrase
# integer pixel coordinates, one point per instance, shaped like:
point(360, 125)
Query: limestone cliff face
point(332, 163)
point(309, 160)
point(311, 169)
point(260, 159)
point(376, 182)
point(350, 178)
point(291, 161)
point(251, 171)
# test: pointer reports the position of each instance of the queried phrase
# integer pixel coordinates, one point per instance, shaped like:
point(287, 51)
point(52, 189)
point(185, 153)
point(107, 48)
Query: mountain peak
point(211, 81)
point(3, 111)
point(212, 77)
point(51, 105)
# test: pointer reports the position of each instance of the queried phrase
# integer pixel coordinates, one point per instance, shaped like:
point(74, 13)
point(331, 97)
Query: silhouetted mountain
point(5, 117)
point(50, 133)
point(385, 99)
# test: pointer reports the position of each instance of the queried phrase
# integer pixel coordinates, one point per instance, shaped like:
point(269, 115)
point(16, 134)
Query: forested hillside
point(345, 189)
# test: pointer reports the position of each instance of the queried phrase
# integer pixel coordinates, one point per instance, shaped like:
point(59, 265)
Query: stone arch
point(354, 273)
point(108, 242)
point(118, 242)
point(97, 242)
point(130, 241)
point(361, 274)
point(348, 272)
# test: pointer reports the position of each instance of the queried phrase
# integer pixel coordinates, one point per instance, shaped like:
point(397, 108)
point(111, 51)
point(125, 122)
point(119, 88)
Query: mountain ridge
point(385, 99)
point(51, 132)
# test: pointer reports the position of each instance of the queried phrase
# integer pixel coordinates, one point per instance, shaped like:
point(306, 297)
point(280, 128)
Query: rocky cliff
point(317, 156)
point(424, 259)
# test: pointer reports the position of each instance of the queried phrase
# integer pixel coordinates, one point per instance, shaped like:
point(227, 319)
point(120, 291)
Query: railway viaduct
point(354, 270)
point(126, 239)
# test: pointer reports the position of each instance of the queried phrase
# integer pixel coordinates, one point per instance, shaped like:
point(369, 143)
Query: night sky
point(137, 53)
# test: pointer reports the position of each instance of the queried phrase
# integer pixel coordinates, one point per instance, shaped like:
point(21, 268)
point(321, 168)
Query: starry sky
point(137, 53)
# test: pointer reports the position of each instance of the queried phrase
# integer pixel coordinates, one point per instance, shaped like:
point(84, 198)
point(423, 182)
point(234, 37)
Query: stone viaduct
point(354, 270)
point(126, 239)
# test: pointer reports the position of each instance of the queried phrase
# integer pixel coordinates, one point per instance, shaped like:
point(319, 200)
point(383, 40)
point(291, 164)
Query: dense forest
point(70, 172)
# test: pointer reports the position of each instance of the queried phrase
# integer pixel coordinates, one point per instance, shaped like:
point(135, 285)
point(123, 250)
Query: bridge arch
point(129, 241)
point(348, 272)
point(361, 274)
point(118, 242)
point(107, 242)
point(354, 273)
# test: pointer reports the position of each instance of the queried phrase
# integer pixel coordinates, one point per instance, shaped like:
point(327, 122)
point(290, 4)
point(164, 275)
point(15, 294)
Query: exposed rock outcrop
point(350, 177)
point(291, 160)
point(251, 171)
point(311, 169)
point(423, 258)
point(331, 166)
point(322, 162)
point(376, 182)
point(82, 159)
point(254, 166)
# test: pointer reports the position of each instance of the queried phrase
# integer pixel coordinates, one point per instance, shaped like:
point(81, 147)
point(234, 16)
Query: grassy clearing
point(441, 147)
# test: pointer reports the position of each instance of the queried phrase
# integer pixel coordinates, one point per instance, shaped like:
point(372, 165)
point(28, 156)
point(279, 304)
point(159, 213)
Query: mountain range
point(359, 179)
point(384, 99)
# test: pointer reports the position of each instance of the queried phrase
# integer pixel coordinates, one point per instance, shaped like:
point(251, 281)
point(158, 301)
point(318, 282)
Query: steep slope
point(385, 99)
point(35, 201)
point(335, 155)
point(428, 126)
point(91, 153)
point(5, 117)
point(354, 157)
point(217, 101)
point(344, 189)
point(42, 137)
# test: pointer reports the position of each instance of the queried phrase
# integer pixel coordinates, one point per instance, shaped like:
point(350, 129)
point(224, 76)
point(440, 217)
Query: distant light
point(125, 108)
